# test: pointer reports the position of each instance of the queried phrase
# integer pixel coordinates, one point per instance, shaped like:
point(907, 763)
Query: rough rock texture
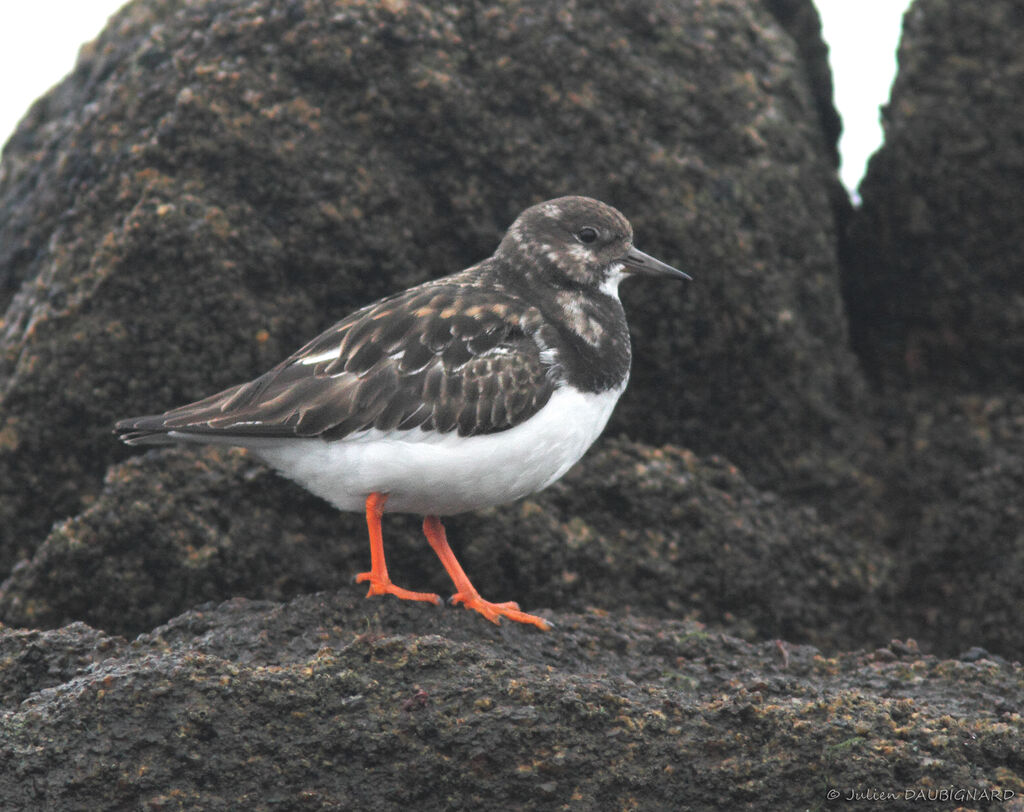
point(935, 275)
point(935, 291)
point(330, 702)
point(655, 531)
point(958, 483)
point(801, 21)
point(233, 176)
point(173, 529)
point(217, 180)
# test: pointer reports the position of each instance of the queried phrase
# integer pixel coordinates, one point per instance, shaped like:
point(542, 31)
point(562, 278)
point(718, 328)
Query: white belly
point(440, 474)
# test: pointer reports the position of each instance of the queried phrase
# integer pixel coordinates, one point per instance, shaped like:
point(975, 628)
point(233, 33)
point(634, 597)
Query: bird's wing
point(431, 358)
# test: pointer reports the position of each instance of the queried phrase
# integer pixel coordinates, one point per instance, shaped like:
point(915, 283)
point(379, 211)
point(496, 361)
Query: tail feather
point(147, 438)
point(150, 429)
point(185, 424)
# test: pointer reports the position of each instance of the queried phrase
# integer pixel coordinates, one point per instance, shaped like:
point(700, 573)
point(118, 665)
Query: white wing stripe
point(327, 355)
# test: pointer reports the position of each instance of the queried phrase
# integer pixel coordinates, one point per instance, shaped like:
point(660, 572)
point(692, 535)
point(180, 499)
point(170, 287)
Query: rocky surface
point(958, 483)
point(935, 283)
point(736, 569)
point(330, 701)
point(231, 177)
point(655, 531)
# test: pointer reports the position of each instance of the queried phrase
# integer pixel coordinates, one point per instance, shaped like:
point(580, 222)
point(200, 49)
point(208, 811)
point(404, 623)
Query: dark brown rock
point(218, 180)
point(655, 531)
point(933, 278)
point(172, 529)
point(934, 275)
point(214, 183)
point(662, 533)
point(334, 702)
point(32, 661)
point(957, 484)
point(802, 22)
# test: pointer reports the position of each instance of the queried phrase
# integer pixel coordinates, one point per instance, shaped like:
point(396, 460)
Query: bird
point(464, 392)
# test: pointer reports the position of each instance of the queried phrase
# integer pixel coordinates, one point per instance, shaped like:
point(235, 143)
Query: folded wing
point(426, 358)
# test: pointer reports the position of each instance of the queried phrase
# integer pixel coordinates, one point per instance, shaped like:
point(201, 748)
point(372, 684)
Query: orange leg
point(380, 583)
point(465, 592)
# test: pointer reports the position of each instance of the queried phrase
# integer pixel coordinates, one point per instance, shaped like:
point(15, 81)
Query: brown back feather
point(417, 359)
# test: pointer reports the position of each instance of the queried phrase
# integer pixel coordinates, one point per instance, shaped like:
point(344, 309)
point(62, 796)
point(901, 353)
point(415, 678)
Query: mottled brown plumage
point(420, 359)
point(463, 392)
point(476, 352)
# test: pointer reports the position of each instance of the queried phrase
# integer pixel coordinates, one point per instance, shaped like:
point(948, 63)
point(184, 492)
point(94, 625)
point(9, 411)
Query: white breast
point(440, 474)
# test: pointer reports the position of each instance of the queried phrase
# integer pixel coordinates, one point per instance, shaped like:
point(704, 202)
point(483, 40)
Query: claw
point(495, 611)
point(467, 594)
point(379, 587)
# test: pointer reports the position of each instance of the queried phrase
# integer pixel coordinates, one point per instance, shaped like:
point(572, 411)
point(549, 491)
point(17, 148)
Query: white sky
point(39, 40)
point(862, 37)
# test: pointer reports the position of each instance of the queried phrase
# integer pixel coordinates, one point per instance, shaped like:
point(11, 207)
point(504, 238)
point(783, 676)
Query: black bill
point(639, 262)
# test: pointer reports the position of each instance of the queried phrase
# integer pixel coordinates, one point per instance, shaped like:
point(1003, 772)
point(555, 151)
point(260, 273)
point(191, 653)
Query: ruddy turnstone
point(467, 391)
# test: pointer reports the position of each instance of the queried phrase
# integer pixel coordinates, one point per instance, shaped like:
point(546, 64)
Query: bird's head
point(578, 243)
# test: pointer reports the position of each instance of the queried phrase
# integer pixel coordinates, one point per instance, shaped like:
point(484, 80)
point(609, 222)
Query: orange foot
point(385, 587)
point(467, 594)
point(495, 611)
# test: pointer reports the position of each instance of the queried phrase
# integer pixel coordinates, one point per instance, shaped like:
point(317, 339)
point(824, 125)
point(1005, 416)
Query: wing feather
point(418, 359)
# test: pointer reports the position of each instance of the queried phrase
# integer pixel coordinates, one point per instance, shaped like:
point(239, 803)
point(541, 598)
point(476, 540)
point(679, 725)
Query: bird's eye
point(587, 235)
